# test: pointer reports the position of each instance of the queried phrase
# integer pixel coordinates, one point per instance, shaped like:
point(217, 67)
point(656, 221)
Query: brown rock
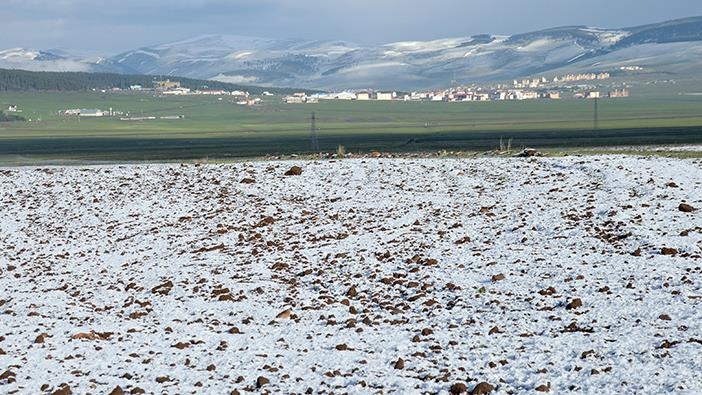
point(400, 364)
point(40, 339)
point(117, 391)
point(162, 379)
point(163, 289)
point(284, 315)
point(294, 171)
point(342, 347)
point(498, 277)
point(352, 292)
point(664, 317)
point(529, 152)
point(234, 331)
point(458, 388)
point(9, 376)
point(64, 389)
point(261, 381)
point(482, 388)
point(494, 330)
point(248, 181)
point(137, 391)
point(637, 252)
point(92, 335)
point(548, 291)
point(574, 304)
point(543, 388)
point(265, 221)
point(686, 208)
point(669, 251)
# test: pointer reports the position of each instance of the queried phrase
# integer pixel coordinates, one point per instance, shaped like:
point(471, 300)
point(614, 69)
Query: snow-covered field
point(357, 276)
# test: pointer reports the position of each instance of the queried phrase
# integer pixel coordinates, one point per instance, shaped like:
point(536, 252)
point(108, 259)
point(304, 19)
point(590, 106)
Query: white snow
point(419, 241)
point(18, 54)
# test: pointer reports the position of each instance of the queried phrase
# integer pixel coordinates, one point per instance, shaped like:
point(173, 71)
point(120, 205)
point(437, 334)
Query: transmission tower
point(314, 141)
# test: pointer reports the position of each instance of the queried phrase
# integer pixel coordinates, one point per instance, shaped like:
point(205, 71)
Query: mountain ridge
point(338, 64)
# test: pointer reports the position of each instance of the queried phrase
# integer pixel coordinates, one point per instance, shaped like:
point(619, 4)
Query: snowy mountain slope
point(406, 65)
point(54, 60)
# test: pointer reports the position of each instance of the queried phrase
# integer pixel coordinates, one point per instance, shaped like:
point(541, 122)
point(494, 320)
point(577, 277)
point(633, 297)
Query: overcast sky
point(108, 27)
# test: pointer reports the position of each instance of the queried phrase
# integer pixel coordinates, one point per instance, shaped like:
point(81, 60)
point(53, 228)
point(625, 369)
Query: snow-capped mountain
point(54, 60)
point(401, 65)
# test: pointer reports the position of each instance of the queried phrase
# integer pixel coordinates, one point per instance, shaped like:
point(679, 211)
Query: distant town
point(573, 86)
point(528, 89)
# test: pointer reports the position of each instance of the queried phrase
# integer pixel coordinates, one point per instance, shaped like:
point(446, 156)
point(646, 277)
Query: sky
point(109, 27)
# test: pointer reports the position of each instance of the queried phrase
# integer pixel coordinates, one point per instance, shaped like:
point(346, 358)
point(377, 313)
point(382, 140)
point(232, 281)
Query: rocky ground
point(357, 276)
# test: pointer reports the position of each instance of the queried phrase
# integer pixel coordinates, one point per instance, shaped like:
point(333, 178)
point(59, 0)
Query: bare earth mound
point(578, 274)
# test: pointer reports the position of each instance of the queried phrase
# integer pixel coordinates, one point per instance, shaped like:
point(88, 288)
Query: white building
point(92, 112)
point(386, 95)
point(363, 96)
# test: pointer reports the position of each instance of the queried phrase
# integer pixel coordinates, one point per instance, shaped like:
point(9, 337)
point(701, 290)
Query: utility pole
point(596, 123)
point(314, 141)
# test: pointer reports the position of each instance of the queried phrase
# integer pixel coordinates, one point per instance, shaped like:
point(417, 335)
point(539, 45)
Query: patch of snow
point(234, 79)
point(465, 269)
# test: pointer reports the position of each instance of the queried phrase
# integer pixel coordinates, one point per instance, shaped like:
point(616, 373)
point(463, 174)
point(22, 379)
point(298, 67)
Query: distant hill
point(22, 80)
point(668, 47)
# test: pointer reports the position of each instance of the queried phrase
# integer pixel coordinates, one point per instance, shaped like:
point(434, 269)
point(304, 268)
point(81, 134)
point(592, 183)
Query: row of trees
point(22, 80)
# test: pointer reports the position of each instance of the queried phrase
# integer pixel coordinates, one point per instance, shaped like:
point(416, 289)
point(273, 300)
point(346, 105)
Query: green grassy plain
point(215, 128)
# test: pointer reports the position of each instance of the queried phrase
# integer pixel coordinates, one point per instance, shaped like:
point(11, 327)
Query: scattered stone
point(163, 289)
point(8, 376)
point(543, 388)
point(261, 381)
point(248, 181)
point(482, 388)
point(117, 391)
point(294, 171)
point(400, 364)
point(284, 315)
point(664, 317)
point(458, 388)
point(574, 304)
point(686, 208)
point(528, 152)
point(92, 335)
point(669, 251)
point(64, 389)
point(498, 277)
point(352, 292)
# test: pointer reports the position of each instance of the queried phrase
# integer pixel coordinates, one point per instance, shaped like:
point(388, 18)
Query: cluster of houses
point(175, 88)
point(542, 81)
point(301, 98)
point(453, 95)
point(90, 112)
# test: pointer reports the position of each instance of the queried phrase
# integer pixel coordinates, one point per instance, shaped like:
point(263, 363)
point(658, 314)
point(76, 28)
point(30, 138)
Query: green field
point(215, 128)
